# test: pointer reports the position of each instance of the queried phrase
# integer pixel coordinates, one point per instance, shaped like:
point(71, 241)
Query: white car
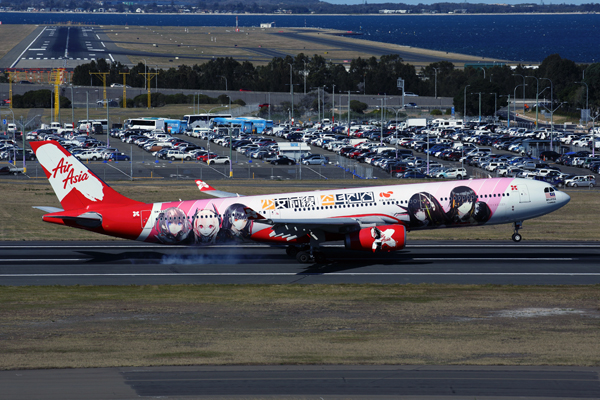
point(453, 173)
point(219, 160)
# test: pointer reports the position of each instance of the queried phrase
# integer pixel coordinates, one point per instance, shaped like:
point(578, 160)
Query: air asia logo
point(64, 167)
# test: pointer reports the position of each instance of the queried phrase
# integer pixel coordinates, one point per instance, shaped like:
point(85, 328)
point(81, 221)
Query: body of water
point(522, 37)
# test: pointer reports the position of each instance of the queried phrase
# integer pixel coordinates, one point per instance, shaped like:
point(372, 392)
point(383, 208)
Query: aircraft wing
point(295, 227)
point(206, 188)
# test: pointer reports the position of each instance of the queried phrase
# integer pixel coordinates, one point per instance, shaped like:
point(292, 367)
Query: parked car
point(219, 160)
point(283, 160)
point(117, 156)
point(316, 160)
point(581, 180)
point(11, 170)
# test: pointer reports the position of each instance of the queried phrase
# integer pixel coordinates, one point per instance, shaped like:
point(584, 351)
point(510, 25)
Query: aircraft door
point(524, 194)
point(145, 214)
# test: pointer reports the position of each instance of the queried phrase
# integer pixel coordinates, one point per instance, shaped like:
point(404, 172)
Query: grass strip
point(110, 326)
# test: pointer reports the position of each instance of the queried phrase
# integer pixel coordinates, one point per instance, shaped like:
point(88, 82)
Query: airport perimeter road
point(124, 263)
point(304, 382)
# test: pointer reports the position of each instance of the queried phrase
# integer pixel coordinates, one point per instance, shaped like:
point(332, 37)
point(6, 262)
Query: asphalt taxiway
point(126, 263)
point(305, 382)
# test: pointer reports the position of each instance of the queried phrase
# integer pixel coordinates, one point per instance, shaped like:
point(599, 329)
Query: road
point(304, 382)
point(125, 263)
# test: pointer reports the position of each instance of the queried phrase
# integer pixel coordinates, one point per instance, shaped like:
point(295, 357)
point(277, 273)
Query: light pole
point(436, 72)
point(479, 93)
point(145, 74)
point(292, 92)
point(551, 112)
point(537, 105)
point(515, 99)
point(333, 107)
point(587, 91)
point(72, 111)
point(495, 104)
point(465, 106)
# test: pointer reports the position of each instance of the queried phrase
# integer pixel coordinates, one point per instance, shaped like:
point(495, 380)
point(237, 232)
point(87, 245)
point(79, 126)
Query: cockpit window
point(549, 190)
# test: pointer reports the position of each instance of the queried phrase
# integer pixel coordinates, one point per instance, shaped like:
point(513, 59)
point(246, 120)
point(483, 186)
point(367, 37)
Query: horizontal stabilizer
point(88, 219)
point(206, 188)
point(49, 209)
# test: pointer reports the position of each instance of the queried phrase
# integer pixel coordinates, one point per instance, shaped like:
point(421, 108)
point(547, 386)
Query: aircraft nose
point(562, 198)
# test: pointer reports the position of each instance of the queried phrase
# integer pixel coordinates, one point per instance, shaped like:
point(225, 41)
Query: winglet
point(203, 186)
point(206, 188)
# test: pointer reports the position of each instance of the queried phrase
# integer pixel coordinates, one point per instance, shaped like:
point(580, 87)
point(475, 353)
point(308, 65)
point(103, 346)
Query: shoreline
point(294, 15)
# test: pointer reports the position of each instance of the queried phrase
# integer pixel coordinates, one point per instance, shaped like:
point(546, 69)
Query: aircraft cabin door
point(524, 194)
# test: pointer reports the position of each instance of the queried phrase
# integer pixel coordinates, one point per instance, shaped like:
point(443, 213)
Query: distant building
point(267, 24)
point(393, 11)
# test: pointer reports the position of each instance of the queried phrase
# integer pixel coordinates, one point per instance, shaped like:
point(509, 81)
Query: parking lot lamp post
point(332, 107)
point(551, 112)
point(436, 72)
point(587, 91)
point(465, 105)
point(515, 99)
point(292, 93)
point(537, 104)
point(495, 104)
point(72, 111)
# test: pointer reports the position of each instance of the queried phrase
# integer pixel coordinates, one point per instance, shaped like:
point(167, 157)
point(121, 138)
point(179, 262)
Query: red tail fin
point(74, 184)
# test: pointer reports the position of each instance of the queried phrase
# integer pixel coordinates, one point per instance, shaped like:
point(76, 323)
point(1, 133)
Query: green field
point(73, 327)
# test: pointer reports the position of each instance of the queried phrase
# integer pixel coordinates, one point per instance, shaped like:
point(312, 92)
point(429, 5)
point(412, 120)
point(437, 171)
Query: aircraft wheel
point(516, 237)
point(292, 251)
point(303, 257)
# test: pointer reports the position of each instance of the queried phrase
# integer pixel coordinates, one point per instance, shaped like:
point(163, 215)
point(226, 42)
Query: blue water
point(524, 38)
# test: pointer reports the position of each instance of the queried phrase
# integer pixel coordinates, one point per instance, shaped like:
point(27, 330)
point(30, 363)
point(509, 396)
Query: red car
point(206, 157)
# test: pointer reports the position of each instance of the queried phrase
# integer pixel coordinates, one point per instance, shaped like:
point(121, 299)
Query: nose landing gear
point(516, 237)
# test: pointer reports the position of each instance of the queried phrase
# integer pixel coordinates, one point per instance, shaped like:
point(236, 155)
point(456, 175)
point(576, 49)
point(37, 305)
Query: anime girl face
point(172, 226)
point(236, 222)
point(425, 210)
point(462, 204)
point(206, 225)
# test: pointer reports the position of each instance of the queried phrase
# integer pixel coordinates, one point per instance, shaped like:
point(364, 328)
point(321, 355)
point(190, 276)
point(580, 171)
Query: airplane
point(374, 219)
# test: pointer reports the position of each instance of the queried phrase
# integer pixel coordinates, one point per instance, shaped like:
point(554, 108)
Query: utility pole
point(149, 76)
point(124, 88)
point(102, 76)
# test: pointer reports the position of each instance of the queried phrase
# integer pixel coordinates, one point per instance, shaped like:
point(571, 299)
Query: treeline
point(372, 76)
point(305, 7)
point(38, 99)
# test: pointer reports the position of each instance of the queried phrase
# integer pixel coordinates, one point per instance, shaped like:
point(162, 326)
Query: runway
point(63, 47)
point(132, 263)
point(304, 382)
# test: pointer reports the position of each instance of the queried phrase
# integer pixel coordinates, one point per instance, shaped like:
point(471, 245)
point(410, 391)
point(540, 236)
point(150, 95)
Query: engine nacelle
point(379, 238)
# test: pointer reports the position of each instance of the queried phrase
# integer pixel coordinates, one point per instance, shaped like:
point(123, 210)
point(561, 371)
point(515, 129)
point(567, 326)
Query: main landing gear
point(305, 254)
point(517, 236)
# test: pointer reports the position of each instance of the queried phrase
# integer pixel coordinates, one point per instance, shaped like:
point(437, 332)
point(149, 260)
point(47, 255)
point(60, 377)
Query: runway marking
point(357, 259)
point(310, 273)
point(111, 57)
point(27, 48)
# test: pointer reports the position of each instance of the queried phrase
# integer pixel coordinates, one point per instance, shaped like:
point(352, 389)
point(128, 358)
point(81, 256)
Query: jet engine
point(377, 238)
